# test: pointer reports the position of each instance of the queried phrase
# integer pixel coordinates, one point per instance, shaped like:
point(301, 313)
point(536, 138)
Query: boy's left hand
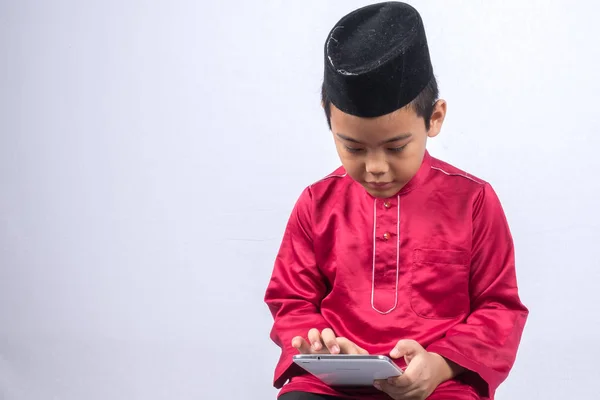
point(424, 372)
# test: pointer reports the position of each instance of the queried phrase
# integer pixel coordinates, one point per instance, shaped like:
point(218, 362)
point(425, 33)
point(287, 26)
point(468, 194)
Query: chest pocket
point(440, 283)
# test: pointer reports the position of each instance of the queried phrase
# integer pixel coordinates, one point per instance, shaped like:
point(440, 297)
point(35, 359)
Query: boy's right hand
point(325, 342)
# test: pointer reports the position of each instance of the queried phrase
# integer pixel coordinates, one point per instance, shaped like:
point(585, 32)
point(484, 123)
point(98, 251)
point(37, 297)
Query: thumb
point(407, 349)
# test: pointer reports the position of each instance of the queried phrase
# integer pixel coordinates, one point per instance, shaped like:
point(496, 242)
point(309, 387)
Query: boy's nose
point(377, 166)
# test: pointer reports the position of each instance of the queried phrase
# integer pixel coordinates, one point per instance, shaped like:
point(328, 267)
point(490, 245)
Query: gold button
point(386, 236)
point(387, 204)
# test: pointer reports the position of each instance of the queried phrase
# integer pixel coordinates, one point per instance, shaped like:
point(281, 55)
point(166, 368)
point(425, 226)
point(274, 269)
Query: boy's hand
point(325, 343)
point(425, 371)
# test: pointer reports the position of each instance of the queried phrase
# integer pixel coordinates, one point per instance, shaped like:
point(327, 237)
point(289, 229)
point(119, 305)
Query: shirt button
point(387, 204)
point(386, 236)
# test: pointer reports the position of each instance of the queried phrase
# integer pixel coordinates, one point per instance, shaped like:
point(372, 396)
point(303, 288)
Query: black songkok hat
point(377, 59)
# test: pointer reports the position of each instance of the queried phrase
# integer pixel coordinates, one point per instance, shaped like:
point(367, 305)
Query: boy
point(396, 252)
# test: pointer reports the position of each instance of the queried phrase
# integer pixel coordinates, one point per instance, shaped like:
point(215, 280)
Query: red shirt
point(435, 263)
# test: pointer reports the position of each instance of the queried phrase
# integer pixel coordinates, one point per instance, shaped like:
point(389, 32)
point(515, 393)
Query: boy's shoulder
point(335, 179)
point(444, 171)
point(328, 188)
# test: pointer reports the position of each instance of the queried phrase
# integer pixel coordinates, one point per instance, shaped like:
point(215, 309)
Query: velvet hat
point(376, 59)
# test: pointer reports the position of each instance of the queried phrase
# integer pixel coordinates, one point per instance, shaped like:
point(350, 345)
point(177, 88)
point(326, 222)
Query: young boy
point(395, 253)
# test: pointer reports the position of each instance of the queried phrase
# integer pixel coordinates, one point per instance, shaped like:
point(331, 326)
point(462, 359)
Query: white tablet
point(346, 369)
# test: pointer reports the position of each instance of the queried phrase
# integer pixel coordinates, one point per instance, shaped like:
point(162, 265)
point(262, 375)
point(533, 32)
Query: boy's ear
point(437, 118)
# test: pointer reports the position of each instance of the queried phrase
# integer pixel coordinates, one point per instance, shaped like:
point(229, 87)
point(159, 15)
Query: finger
point(391, 390)
point(302, 345)
point(314, 336)
point(407, 349)
point(405, 381)
point(347, 347)
point(328, 338)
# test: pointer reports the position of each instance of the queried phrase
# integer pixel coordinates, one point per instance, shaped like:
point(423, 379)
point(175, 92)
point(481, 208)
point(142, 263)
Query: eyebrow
point(394, 139)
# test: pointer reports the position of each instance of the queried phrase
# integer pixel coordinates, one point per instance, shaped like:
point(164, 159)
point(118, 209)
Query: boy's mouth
point(379, 185)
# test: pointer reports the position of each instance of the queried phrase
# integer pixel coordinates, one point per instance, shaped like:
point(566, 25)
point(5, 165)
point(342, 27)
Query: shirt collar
point(420, 177)
point(417, 180)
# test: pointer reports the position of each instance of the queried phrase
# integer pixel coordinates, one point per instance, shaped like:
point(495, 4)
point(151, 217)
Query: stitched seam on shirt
point(328, 177)
point(464, 175)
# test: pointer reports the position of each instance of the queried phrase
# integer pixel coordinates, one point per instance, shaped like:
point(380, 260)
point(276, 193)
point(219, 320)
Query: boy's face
point(384, 153)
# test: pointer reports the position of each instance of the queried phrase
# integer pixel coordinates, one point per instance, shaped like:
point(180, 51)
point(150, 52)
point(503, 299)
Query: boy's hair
point(422, 104)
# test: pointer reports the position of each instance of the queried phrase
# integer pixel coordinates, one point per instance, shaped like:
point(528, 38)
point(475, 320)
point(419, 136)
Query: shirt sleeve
point(296, 288)
point(486, 343)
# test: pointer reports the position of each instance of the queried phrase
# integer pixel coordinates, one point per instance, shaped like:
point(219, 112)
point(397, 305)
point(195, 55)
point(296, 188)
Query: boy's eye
point(397, 149)
point(352, 149)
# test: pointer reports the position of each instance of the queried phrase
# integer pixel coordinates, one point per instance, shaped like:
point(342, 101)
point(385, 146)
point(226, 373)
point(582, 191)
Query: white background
point(150, 154)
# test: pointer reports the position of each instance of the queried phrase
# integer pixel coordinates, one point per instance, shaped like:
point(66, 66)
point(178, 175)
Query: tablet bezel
point(348, 369)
